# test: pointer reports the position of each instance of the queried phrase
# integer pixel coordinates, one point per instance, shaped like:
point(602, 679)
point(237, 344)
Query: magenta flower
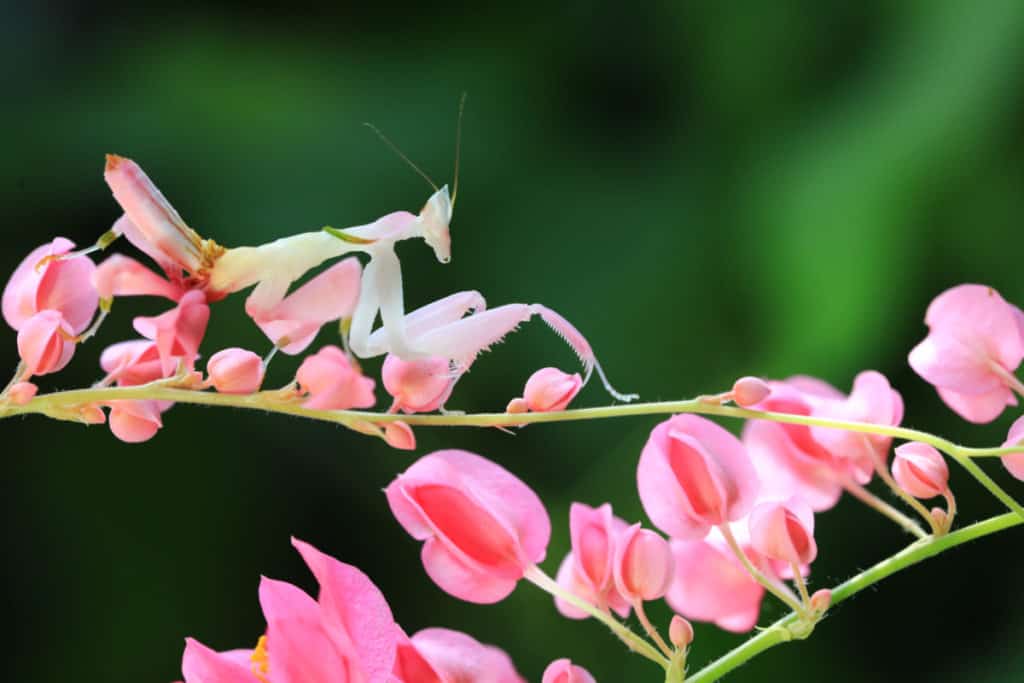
point(482, 527)
point(564, 671)
point(42, 283)
point(440, 655)
point(333, 382)
point(587, 570)
point(694, 475)
point(347, 636)
point(974, 345)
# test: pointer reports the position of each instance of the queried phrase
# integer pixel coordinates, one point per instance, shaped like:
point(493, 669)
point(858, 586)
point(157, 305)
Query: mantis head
point(434, 218)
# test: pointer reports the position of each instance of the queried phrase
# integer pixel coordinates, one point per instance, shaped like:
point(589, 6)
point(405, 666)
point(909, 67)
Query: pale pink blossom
point(135, 421)
point(748, 391)
point(643, 565)
point(441, 655)
point(418, 386)
point(783, 531)
point(235, 371)
point(43, 282)
point(587, 570)
point(974, 345)
point(399, 435)
point(550, 389)
point(694, 475)
point(134, 362)
point(920, 470)
point(333, 382)
point(564, 671)
point(120, 275)
point(1014, 463)
point(177, 332)
point(482, 527)
point(45, 343)
point(680, 632)
point(348, 635)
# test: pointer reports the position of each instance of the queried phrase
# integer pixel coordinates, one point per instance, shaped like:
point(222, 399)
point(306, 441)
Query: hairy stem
point(779, 591)
point(652, 631)
point(876, 503)
point(781, 632)
point(537, 577)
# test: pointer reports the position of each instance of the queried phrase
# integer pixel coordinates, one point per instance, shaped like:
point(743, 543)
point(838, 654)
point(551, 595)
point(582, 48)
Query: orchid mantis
point(457, 327)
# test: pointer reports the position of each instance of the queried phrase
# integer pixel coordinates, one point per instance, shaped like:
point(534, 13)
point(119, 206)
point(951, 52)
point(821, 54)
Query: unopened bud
point(680, 632)
point(22, 392)
point(399, 435)
point(821, 600)
point(550, 389)
point(749, 391)
point(517, 405)
point(235, 371)
point(939, 518)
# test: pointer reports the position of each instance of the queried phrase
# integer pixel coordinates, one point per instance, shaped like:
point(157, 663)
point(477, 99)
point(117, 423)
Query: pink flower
point(440, 655)
point(680, 632)
point(974, 345)
point(482, 527)
point(711, 585)
point(347, 636)
point(119, 275)
point(920, 470)
point(293, 322)
point(45, 343)
point(564, 671)
point(643, 565)
point(58, 285)
point(399, 435)
point(587, 571)
point(333, 382)
point(418, 386)
point(783, 532)
point(178, 332)
point(135, 421)
point(550, 389)
point(1015, 463)
point(135, 362)
point(235, 371)
point(694, 475)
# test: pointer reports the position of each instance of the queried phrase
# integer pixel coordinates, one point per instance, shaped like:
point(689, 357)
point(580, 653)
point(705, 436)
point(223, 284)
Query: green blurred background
point(705, 189)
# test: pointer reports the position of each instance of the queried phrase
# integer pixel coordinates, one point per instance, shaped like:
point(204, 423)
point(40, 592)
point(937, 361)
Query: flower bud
point(22, 392)
point(821, 600)
point(235, 371)
point(784, 532)
point(920, 470)
point(564, 671)
point(680, 632)
point(1014, 463)
point(749, 391)
point(333, 382)
point(45, 343)
point(550, 389)
point(399, 435)
point(418, 386)
point(135, 421)
point(517, 405)
point(643, 565)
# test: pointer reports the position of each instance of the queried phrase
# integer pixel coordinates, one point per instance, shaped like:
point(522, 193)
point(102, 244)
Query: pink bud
point(749, 391)
point(92, 414)
point(1014, 463)
point(134, 421)
point(45, 343)
point(399, 435)
point(517, 406)
point(821, 600)
point(694, 475)
point(564, 671)
point(235, 371)
point(784, 532)
point(22, 392)
point(482, 527)
point(920, 470)
point(550, 389)
point(680, 632)
point(643, 565)
point(333, 382)
point(418, 386)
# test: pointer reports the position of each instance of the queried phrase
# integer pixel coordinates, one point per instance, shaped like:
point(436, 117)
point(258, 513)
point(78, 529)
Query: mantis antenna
point(458, 148)
point(400, 153)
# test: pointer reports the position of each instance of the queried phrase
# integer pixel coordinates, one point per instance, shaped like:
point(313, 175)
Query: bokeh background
point(706, 189)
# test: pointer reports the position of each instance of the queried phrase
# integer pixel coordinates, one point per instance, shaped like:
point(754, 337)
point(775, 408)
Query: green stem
point(879, 505)
point(781, 632)
point(537, 577)
point(986, 481)
point(779, 591)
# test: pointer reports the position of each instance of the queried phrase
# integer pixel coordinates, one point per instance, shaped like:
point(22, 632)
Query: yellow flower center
point(260, 660)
